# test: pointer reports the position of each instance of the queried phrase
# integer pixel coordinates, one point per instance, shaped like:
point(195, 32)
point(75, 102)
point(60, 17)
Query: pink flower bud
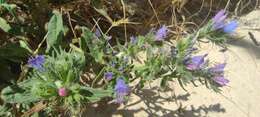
point(62, 92)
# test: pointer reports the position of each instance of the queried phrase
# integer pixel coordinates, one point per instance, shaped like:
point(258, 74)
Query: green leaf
point(4, 25)
point(97, 3)
point(163, 83)
point(13, 52)
point(5, 110)
point(2, 1)
point(97, 94)
point(25, 45)
point(19, 94)
point(12, 95)
point(98, 55)
point(86, 36)
point(6, 73)
point(55, 31)
point(94, 45)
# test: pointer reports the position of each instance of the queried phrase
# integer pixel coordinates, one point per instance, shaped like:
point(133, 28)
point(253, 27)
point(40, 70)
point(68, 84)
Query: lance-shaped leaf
point(19, 93)
point(97, 94)
point(95, 46)
point(55, 31)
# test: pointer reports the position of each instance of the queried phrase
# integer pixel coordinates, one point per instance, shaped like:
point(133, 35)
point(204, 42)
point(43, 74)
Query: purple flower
point(133, 40)
point(221, 80)
point(230, 27)
point(121, 90)
point(218, 20)
point(108, 75)
point(195, 62)
point(36, 62)
point(98, 33)
point(161, 33)
point(219, 15)
point(218, 74)
point(62, 92)
point(217, 69)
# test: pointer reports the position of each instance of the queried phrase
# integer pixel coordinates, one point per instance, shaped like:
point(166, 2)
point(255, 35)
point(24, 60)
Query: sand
point(239, 99)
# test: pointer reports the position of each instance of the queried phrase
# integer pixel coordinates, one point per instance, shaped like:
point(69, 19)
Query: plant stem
point(93, 82)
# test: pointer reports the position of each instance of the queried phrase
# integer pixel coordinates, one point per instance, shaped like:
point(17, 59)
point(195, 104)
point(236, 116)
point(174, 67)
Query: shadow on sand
point(248, 45)
point(154, 104)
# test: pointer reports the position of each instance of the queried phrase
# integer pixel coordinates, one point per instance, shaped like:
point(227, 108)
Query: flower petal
point(221, 80)
point(230, 27)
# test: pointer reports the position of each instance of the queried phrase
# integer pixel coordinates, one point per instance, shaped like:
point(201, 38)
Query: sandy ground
point(239, 99)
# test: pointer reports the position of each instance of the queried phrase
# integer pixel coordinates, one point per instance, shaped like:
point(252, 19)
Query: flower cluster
point(161, 33)
point(220, 24)
point(108, 75)
point(121, 90)
point(218, 74)
point(36, 62)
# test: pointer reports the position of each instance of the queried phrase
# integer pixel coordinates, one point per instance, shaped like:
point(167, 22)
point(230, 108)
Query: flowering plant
point(55, 78)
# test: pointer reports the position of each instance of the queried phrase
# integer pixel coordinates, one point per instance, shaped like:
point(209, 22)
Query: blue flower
point(219, 20)
point(36, 62)
point(108, 75)
point(220, 80)
point(121, 90)
point(161, 33)
point(230, 27)
point(196, 62)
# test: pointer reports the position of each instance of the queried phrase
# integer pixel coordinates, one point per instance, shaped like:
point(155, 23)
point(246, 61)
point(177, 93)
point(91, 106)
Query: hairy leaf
point(97, 94)
point(18, 93)
point(55, 31)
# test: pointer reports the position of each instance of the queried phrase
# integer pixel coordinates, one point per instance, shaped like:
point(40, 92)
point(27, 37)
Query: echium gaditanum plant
point(55, 77)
